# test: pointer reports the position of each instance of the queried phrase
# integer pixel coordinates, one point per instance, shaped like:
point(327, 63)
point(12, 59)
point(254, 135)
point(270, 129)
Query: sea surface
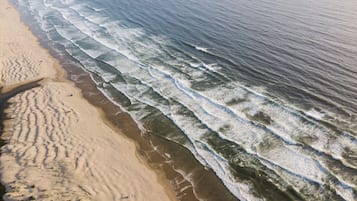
point(262, 92)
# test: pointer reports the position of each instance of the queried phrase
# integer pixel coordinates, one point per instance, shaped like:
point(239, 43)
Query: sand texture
point(57, 145)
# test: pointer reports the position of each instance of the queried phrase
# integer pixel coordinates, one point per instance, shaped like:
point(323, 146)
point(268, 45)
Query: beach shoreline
point(199, 100)
point(35, 160)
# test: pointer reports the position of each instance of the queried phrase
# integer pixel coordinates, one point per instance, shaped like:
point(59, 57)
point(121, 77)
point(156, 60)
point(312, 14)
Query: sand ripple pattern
point(13, 70)
point(38, 146)
point(18, 66)
point(53, 153)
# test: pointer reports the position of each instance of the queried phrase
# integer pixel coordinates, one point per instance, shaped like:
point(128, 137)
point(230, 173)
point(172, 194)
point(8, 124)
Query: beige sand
point(58, 146)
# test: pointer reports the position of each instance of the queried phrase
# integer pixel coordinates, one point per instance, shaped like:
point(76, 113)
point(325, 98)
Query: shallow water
point(261, 92)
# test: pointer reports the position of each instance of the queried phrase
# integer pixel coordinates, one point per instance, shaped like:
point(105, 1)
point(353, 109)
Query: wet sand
point(57, 146)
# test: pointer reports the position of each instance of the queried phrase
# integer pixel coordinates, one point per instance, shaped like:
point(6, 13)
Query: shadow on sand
point(4, 97)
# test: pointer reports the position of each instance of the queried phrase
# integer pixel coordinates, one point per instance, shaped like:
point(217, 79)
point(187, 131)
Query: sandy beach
point(58, 147)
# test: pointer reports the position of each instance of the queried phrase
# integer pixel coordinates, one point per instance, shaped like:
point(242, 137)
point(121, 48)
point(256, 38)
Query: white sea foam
point(201, 49)
point(315, 114)
point(90, 29)
point(208, 115)
point(214, 117)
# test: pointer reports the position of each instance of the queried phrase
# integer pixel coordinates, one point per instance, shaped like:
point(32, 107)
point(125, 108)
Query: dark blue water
point(261, 92)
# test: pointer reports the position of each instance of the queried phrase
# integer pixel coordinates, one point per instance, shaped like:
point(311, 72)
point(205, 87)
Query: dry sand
point(58, 147)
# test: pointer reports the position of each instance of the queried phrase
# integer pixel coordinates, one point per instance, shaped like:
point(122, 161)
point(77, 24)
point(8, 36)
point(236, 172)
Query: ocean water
point(263, 93)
